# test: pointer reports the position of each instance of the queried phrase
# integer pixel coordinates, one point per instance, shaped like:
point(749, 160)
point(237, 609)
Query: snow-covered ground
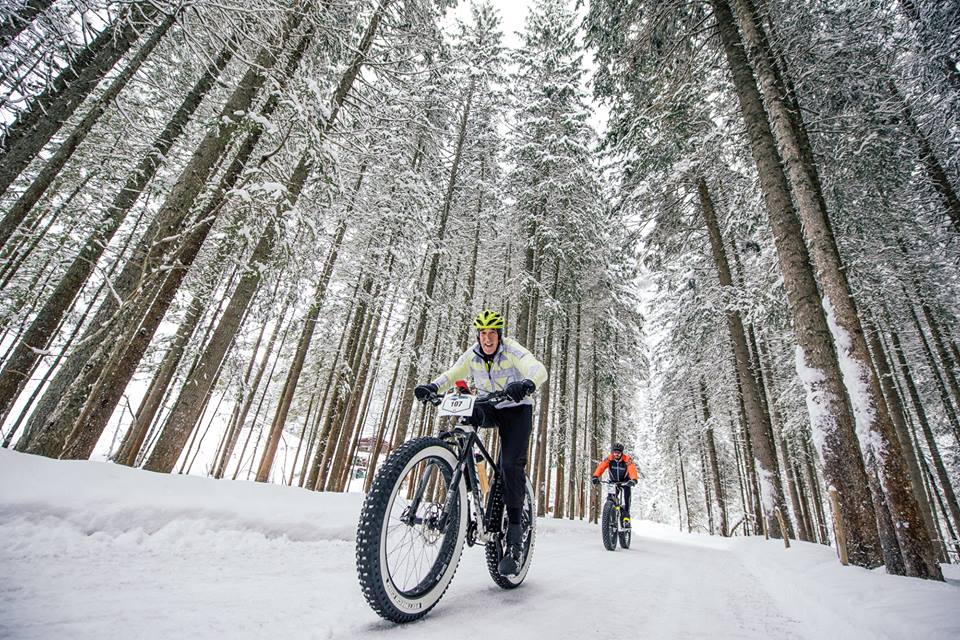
point(94, 550)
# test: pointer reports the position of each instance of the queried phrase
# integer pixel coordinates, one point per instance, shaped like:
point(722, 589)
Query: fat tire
point(370, 532)
point(625, 539)
point(608, 527)
point(494, 549)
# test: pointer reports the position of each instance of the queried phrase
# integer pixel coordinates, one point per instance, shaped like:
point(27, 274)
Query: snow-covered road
point(91, 550)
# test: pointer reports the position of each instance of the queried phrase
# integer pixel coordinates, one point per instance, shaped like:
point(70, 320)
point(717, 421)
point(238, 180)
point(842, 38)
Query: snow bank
point(94, 550)
point(808, 583)
point(112, 499)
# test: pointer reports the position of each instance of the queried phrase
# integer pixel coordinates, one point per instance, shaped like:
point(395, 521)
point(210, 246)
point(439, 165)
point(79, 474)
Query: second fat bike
point(611, 519)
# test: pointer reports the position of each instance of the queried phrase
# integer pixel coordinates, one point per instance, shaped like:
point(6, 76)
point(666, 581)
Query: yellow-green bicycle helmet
point(488, 319)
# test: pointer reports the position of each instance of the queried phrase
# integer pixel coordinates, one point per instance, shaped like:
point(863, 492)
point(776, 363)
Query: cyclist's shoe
point(511, 560)
point(626, 522)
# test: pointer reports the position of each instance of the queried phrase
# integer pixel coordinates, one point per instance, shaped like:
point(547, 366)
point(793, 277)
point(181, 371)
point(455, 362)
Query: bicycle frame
point(616, 496)
point(466, 438)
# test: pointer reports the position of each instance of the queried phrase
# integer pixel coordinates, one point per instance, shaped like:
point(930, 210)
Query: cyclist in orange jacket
point(621, 468)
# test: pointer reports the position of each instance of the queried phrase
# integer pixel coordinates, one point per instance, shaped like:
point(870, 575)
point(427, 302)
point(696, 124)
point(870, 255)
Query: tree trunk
point(935, 372)
point(542, 475)
point(306, 336)
point(406, 398)
point(34, 127)
point(16, 253)
point(873, 423)
point(769, 415)
point(813, 481)
point(42, 329)
point(942, 475)
point(941, 351)
point(561, 432)
point(895, 408)
point(705, 477)
point(712, 457)
point(135, 437)
point(804, 521)
point(614, 397)
point(594, 427)
point(574, 474)
point(762, 357)
point(235, 426)
point(369, 390)
point(187, 409)
point(936, 174)
point(683, 482)
point(749, 460)
point(19, 19)
point(8, 439)
point(472, 273)
point(523, 319)
point(52, 166)
point(360, 370)
point(741, 472)
point(263, 397)
point(330, 440)
point(327, 408)
point(81, 369)
point(764, 454)
point(382, 431)
point(943, 510)
point(367, 370)
point(831, 415)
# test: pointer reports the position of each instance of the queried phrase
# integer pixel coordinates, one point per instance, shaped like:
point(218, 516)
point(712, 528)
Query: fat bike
point(424, 504)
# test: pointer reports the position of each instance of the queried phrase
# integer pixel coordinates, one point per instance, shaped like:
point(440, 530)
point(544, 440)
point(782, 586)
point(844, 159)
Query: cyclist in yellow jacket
point(497, 363)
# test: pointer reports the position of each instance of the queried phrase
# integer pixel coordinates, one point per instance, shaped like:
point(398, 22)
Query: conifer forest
point(236, 234)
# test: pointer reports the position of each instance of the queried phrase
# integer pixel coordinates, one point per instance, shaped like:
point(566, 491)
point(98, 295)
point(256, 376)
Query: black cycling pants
point(625, 492)
point(514, 425)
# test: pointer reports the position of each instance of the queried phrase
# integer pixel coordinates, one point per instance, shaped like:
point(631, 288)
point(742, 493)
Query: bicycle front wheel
point(608, 525)
point(408, 547)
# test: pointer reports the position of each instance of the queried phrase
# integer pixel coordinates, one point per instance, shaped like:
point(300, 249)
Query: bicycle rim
point(416, 551)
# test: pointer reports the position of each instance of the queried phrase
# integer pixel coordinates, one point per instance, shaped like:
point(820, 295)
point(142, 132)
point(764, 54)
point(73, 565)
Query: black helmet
point(617, 447)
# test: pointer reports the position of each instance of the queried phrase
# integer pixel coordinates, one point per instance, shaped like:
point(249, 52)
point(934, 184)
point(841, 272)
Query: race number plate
point(455, 404)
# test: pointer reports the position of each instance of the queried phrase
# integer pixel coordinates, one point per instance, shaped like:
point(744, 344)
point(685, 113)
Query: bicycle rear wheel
point(625, 538)
point(406, 554)
point(495, 549)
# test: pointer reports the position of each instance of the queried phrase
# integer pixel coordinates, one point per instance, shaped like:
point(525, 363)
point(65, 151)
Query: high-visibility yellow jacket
point(512, 362)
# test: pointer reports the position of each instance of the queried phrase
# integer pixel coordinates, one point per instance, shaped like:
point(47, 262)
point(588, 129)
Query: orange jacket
point(619, 469)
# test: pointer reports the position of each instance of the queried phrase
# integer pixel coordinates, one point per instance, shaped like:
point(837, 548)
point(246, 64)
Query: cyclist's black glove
point(424, 391)
point(632, 483)
point(595, 480)
point(519, 390)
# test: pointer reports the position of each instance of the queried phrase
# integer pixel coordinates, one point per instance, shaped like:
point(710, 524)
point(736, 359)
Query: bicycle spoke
point(413, 545)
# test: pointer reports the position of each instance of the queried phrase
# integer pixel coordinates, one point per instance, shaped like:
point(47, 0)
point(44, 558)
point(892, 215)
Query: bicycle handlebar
point(491, 398)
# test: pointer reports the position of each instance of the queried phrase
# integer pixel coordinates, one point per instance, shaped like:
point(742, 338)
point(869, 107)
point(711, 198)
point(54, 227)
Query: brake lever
point(493, 398)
